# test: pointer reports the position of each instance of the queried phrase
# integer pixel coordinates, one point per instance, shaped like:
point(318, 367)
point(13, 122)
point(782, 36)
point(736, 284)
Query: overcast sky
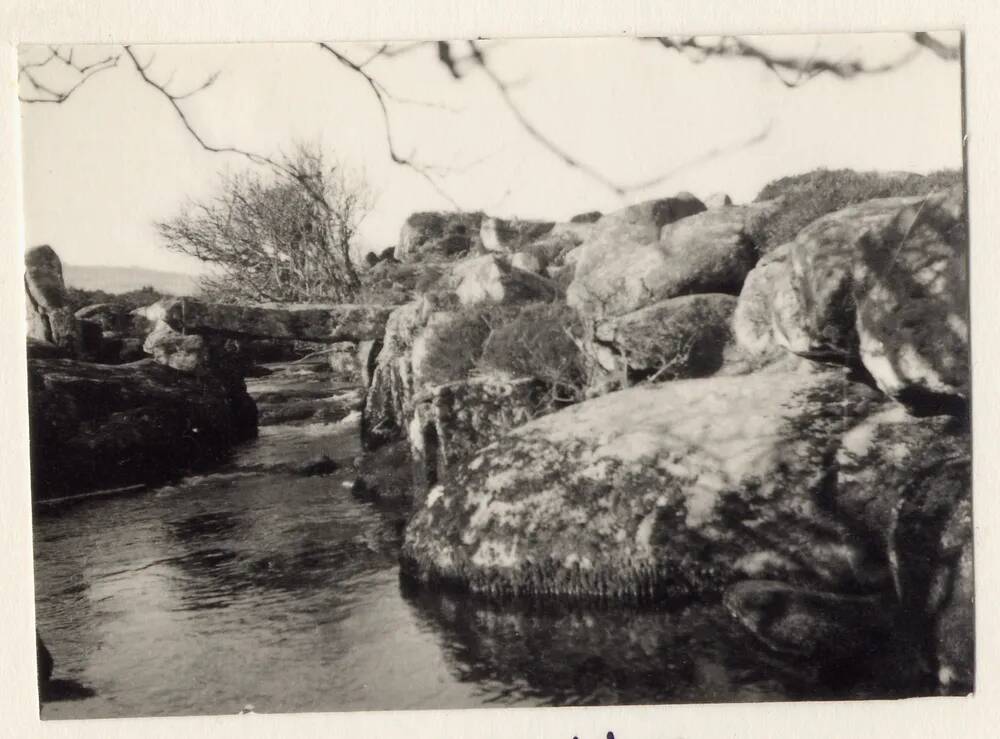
point(101, 167)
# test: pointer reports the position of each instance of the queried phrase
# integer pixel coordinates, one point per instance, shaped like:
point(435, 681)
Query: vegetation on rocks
point(808, 196)
point(536, 340)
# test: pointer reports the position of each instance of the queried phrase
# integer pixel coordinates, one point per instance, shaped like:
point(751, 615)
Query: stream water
point(255, 585)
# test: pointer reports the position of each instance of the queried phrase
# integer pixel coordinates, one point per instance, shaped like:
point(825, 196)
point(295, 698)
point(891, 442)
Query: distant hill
point(125, 279)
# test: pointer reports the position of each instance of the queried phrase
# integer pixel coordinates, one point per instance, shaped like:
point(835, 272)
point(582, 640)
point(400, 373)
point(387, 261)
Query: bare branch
point(703, 158)
point(527, 125)
point(50, 94)
point(791, 71)
point(941, 49)
point(380, 96)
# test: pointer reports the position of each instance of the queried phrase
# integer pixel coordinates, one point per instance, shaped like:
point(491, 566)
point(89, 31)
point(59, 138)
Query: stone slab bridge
point(193, 335)
point(319, 322)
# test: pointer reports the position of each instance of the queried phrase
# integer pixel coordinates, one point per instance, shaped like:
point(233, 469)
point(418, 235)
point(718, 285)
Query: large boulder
point(99, 426)
point(904, 484)
point(528, 262)
point(182, 352)
point(591, 216)
point(767, 320)
point(718, 200)
point(508, 236)
point(883, 282)
point(675, 338)
point(492, 279)
point(388, 400)
point(911, 288)
point(619, 273)
point(657, 490)
point(445, 235)
point(641, 223)
point(48, 317)
point(804, 290)
point(43, 278)
point(326, 323)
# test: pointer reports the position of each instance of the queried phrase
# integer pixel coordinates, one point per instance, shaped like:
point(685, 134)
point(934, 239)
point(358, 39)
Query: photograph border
point(79, 21)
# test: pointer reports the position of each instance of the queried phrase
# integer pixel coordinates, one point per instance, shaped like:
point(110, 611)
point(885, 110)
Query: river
point(254, 585)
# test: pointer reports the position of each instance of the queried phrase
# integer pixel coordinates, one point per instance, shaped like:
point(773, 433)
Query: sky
point(102, 167)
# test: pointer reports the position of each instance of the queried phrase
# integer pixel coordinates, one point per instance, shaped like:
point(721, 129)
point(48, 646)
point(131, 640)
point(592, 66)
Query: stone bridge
point(317, 322)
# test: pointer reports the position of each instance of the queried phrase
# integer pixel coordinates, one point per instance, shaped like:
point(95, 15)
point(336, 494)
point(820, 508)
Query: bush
point(454, 348)
point(77, 298)
point(539, 342)
point(814, 194)
point(528, 340)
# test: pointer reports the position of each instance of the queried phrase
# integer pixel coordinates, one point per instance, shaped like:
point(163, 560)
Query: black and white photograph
point(497, 372)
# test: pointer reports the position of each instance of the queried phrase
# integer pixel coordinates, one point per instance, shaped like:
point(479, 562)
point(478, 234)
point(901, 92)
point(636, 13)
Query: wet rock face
point(622, 268)
point(670, 489)
point(439, 235)
point(97, 426)
point(673, 339)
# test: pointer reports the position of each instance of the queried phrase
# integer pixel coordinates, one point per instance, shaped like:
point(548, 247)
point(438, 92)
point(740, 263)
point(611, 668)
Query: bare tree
point(461, 58)
point(284, 237)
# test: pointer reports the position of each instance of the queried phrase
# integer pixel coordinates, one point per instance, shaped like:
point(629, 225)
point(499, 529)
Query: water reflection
point(579, 654)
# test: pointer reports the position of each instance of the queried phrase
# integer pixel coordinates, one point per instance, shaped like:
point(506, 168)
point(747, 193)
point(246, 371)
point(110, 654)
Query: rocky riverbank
point(680, 400)
point(781, 425)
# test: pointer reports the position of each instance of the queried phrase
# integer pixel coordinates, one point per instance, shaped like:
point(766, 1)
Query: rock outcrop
point(911, 288)
point(504, 236)
point(48, 317)
point(883, 283)
point(439, 236)
point(183, 352)
point(656, 490)
point(492, 279)
point(98, 426)
point(718, 200)
point(388, 399)
point(624, 266)
point(673, 339)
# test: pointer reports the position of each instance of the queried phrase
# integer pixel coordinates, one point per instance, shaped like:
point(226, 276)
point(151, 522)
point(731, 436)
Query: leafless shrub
point(283, 238)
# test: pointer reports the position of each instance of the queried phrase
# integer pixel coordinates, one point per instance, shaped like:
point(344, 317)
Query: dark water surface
point(256, 586)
